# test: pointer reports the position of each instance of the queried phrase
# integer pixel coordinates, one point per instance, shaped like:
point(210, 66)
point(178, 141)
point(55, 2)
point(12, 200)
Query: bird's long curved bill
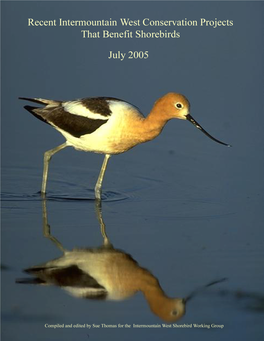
point(197, 125)
point(197, 291)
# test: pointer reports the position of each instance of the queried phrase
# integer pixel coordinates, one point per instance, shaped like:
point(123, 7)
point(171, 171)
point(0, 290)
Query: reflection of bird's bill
point(197, 125)
point(195, 292)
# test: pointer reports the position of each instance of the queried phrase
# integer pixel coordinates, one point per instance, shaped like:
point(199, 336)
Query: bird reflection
point(103, 273)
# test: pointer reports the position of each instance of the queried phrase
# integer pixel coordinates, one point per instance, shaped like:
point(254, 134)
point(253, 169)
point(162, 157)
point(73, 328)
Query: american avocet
point(103, 273)
point(107, 125)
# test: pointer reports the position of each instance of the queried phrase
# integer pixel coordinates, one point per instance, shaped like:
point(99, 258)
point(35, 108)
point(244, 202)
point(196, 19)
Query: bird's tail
point(37, 271)
point(30, 281)
point(41, 112)
point(47, 102)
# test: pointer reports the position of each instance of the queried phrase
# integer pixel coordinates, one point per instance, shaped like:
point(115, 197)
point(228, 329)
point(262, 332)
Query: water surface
point(187, 209)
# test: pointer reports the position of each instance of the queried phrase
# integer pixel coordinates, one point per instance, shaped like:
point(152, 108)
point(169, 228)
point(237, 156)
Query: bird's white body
point(107, 139)
point(113, 270)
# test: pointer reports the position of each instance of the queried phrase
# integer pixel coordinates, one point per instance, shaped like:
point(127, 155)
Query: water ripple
point(87, 195)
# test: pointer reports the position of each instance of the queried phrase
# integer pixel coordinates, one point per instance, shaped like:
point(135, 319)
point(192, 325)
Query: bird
point(107, 125)
point(102, 273)
point(105, 273)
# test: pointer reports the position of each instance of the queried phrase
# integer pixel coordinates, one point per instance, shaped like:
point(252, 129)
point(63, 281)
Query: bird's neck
point(151, 289)
point(153, 124)
point(157, 300)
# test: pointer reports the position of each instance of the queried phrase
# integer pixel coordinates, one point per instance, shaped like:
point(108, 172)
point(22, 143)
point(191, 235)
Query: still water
point(188, 210)
point(182, 223)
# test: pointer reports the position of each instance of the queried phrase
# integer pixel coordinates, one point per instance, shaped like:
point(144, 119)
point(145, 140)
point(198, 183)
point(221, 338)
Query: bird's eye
point(174, 312)
point(178, 105)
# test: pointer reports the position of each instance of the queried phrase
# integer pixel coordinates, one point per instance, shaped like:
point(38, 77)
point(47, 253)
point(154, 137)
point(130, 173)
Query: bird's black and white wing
point(78, 117)
point(71, 278)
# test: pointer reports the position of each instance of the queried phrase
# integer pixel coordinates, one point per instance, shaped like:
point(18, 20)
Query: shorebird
point(102, 273)
point(105, 273)
point(107, 125)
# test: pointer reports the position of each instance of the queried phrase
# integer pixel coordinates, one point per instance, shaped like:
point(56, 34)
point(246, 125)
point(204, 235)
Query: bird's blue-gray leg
point(99, 214)
point(98, 186)
point(47, 156)
point(46, 228)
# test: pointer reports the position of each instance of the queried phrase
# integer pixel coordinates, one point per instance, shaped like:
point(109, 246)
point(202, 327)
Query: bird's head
point(169, 309)
point(175, 105)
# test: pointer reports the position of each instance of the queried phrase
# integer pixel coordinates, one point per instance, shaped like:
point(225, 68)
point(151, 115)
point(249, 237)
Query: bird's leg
point(47, 156)
point(46, 227)
point(98, 210)
point(98, 185)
